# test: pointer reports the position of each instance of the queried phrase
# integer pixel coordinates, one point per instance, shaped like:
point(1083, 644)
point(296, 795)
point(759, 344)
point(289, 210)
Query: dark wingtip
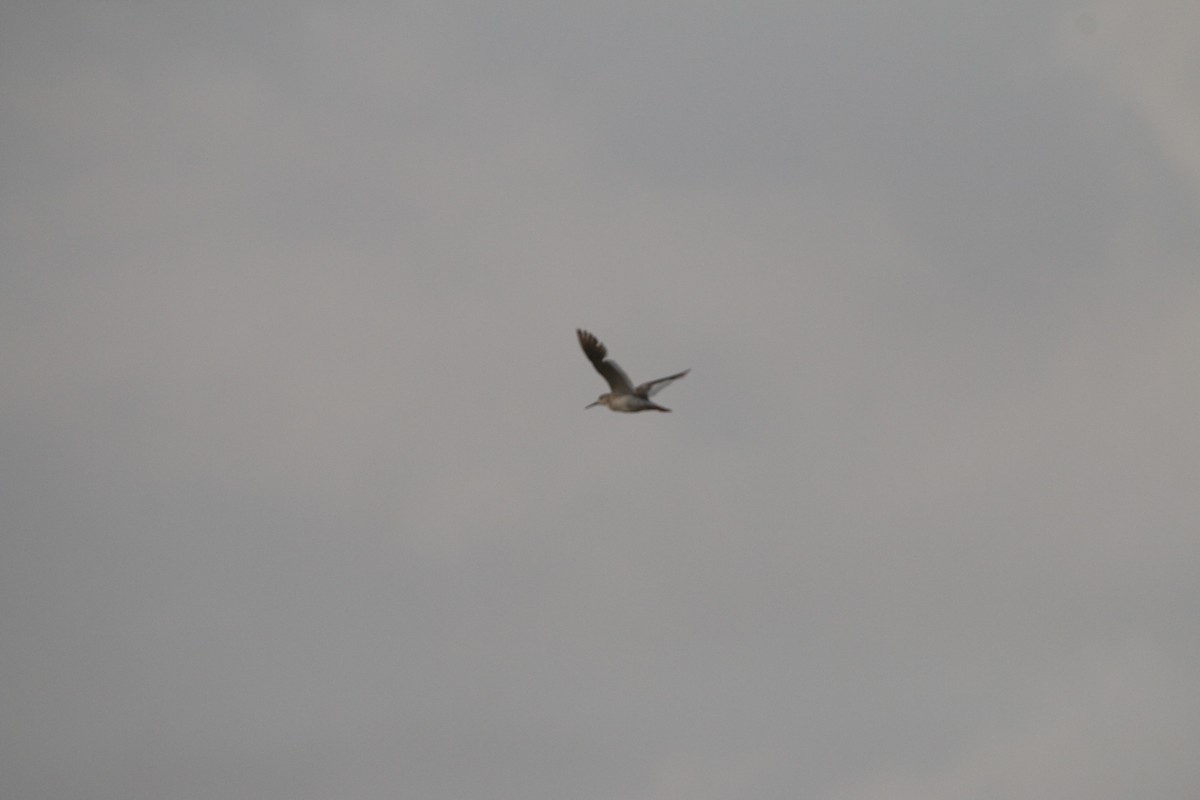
point(592, 347)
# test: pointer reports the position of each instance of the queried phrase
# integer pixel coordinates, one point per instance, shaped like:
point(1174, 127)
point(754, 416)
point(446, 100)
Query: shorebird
point(624, 396)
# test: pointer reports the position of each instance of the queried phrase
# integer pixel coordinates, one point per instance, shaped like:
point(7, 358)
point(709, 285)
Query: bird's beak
point(589, 405)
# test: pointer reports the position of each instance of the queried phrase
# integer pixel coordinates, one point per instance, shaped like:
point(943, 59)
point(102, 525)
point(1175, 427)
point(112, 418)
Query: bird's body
point(624, 395)
point(629, 403)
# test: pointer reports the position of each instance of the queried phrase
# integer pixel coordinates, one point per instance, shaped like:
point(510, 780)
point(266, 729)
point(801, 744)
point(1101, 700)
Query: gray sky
point(299, 500)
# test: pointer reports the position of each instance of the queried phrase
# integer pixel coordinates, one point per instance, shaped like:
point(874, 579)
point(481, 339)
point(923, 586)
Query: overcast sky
point(299, 499)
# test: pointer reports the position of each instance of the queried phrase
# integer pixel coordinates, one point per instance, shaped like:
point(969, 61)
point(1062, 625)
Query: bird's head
point(600, 401)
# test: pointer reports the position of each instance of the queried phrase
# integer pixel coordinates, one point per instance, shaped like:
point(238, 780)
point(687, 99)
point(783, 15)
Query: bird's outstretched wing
point(618, 381)
point(651, 388)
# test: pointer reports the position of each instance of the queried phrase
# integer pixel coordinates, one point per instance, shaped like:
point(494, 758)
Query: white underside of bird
point(629, 403)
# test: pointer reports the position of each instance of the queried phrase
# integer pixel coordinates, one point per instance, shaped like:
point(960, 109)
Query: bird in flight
point(624, 395)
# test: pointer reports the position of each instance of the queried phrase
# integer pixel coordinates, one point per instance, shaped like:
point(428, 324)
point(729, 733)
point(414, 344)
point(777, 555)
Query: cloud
point(1105, 728)
point(1145, 57)
point(299, 493)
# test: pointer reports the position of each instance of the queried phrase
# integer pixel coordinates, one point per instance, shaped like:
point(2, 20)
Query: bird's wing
point(651, 388)
point(618, 381)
